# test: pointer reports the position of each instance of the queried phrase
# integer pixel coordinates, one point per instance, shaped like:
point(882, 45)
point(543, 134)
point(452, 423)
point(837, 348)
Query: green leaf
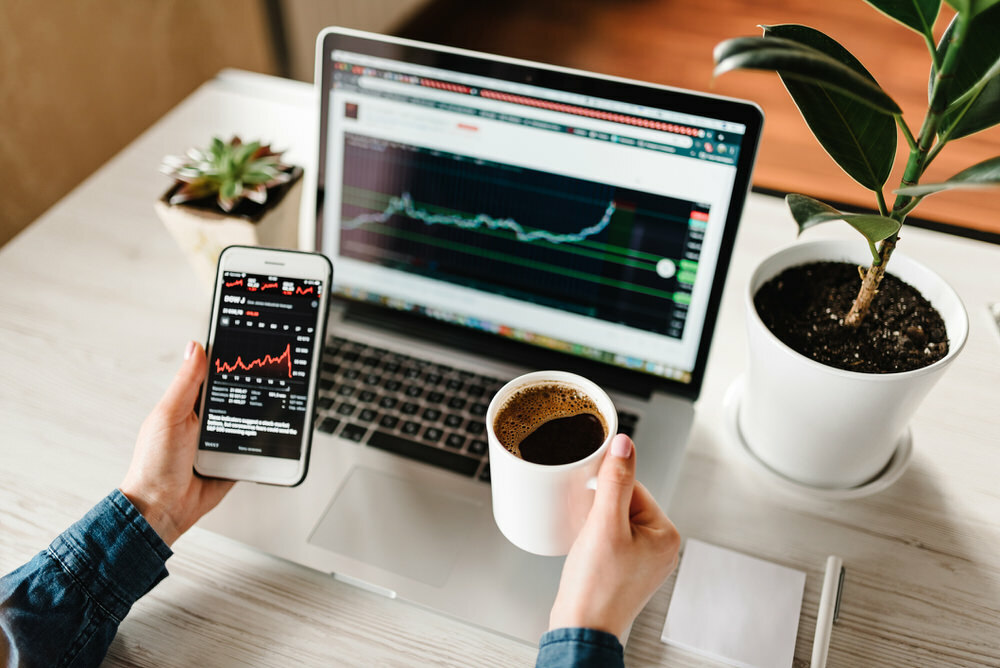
point(978, 67)
point(972, 7)
point(243, 152)
point(918, 15)
point(861, 140)
point(982, 175)
point(258, 176)
point(795, 61)
point(809, 212)
point(230, 189)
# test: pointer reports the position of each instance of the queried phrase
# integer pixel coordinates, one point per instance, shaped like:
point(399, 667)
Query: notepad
point(735, 608)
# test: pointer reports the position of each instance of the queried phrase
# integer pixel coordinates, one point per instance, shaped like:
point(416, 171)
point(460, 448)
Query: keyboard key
point(410, 428)
point(475, 427)
point(389, 421)
point(353, 432)
point(479, 410)
point(350, 356)
point(432, 414)
point(485, 475)
point(392, 385)
point(456, 403)
point(412, 373)
point(433, 434)
point(435, 456)
point(346, 408)
point(328, 425)
point(390, 367)
point(330, 367)
point(434, 397)
point(478, 447)
point(388, 403)
point(369, 361)
point(352, 374)
point(432, 379)
point(325, 402)
point(371, 379)
point(409, 408)
point(454, 385)
point(366, 396)
point(413, 391)
point(453, 421)
point(367, 415)
point(325, 384)
point(345, 390)
point(475, 391)
point(455, 441)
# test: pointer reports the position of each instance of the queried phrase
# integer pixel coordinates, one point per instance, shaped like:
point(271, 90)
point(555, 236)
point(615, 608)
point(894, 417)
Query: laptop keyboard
point(412, 407)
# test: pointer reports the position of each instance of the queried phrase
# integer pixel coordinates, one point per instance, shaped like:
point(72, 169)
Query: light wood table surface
point(97, 303)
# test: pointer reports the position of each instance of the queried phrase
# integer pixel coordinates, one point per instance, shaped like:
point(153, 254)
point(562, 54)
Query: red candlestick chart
point(281, 363)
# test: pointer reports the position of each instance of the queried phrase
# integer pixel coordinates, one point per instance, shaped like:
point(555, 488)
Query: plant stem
point(906, 131)
point(920, 152)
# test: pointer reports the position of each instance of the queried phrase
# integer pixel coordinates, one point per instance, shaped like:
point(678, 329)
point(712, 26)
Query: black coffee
point(550, 423)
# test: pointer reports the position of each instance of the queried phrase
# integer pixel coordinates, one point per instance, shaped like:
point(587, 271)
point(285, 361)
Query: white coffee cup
point(540, 508)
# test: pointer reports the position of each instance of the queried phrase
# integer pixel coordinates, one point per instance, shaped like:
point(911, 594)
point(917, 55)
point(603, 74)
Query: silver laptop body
point(487, 217)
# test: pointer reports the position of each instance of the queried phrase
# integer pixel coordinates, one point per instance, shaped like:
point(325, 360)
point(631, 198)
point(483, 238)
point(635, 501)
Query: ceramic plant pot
point(203, 231)
point(827, 427)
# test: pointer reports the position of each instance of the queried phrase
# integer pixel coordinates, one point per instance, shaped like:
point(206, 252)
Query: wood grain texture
point(670, 42)
point(99, 302)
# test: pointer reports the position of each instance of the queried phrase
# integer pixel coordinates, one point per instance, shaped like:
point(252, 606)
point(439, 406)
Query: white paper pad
point(735, 608)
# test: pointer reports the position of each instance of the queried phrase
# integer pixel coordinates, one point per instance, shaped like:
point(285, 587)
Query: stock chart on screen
point(603, 251)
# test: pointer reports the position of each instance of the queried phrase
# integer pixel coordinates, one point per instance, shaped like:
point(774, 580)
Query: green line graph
point(387, 230)
point(577, 244)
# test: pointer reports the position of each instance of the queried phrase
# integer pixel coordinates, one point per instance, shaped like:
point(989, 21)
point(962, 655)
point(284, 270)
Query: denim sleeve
point(63, 607)
point(579, 648)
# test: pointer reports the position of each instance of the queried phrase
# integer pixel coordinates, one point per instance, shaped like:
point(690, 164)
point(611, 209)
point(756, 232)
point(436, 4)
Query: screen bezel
point(584, 83)
point(289, 264)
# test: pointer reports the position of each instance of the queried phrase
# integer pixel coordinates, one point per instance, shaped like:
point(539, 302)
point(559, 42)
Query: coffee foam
point(532, 406)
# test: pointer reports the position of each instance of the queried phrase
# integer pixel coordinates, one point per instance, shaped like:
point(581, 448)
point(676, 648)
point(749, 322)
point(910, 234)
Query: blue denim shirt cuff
point(113, 554)
point(579, 648)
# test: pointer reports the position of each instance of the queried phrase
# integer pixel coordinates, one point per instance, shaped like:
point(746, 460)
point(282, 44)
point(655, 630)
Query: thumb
point(179, 399)
point(616, 479)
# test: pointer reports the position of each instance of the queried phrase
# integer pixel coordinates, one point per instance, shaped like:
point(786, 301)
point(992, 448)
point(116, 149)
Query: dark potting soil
point(804, 307)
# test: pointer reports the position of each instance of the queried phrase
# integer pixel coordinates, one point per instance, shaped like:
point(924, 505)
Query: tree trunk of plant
point(869, 285)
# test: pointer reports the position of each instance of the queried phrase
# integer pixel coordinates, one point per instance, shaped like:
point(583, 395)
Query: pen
point(829, 610)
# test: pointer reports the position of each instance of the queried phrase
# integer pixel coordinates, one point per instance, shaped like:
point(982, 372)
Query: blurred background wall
point(82, 78)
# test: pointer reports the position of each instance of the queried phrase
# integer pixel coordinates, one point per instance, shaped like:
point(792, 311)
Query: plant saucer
point(892, 471)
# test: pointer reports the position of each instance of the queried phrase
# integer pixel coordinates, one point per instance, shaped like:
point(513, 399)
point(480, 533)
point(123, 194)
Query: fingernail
point(189, 350)
point(621, 446)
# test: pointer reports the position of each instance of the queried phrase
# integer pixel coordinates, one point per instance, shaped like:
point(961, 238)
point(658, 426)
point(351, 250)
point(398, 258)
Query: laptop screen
point(582, 214)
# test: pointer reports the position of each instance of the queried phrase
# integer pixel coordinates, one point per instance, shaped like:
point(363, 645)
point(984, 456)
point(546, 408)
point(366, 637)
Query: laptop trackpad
point(397, 525)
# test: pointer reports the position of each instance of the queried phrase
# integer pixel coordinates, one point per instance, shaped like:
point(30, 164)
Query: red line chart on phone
point(267, 362)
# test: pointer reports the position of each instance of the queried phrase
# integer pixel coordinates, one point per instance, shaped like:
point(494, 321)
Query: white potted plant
point(831, 385)
point(230, 193)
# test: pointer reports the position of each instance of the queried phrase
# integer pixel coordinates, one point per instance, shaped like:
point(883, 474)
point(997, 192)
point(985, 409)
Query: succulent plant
point(229, 171)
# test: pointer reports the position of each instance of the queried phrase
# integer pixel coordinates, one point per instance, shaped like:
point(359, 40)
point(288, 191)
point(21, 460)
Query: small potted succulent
point(230, 193)
point(835, 420)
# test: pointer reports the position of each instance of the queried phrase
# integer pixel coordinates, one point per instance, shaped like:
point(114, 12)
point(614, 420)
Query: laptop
point(487, 217)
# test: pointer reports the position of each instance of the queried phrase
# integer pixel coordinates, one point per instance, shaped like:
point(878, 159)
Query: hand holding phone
point(264, 345)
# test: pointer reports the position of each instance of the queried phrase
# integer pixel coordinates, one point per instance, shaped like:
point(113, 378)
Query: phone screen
point(262, 345)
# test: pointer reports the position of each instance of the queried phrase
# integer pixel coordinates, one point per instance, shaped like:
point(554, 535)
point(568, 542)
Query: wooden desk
point(98, 303)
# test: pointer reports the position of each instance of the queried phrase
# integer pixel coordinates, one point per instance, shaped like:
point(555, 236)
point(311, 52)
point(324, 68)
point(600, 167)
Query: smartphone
point(264, 346)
